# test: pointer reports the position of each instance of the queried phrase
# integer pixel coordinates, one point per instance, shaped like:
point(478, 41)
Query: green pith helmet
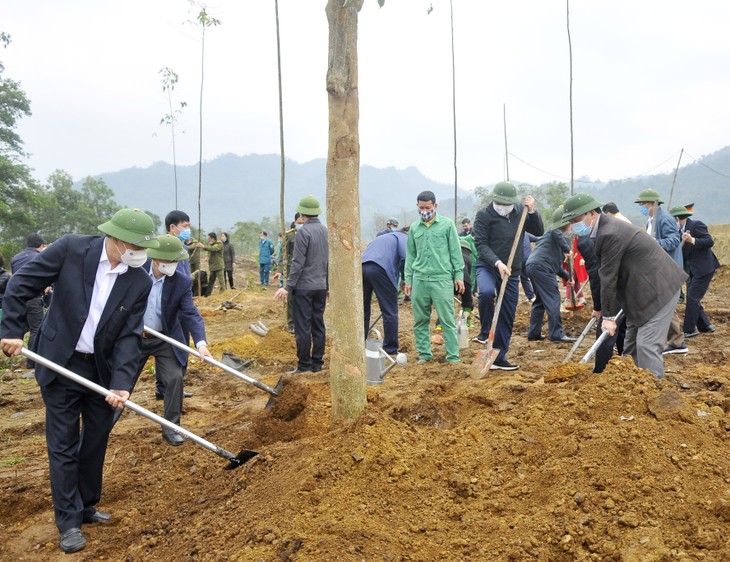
point(680, 211)
point(309, 206)
point(133, 227)
point(504, 193)
point(557, 219)
point(579, 204)
point(171, 249)
point(649, 196)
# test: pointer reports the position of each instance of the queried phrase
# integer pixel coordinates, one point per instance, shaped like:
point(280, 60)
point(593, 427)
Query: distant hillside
point(706, 183)
point(246, 188)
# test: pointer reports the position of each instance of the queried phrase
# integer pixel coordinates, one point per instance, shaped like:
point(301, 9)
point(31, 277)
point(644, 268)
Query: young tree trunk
point(347, 347)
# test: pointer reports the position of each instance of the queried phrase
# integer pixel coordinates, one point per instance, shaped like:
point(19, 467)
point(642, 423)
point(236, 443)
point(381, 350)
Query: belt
point(84, 356)
point(146, 335)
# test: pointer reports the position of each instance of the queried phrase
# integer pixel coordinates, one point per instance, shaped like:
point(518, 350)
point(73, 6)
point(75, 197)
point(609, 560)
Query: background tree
point(170, 79)
point(203, 20)
point(18, 191)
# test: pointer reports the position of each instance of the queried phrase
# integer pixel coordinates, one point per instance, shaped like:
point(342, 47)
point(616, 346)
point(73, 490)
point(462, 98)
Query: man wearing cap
point(495, 230)
point(93, 328)
point(701, 262)
point(544, 263)
point(390, 226)
point(34, 307)
point(663, 228)
point(169, 307)
point(308, 282)
point(636, 276)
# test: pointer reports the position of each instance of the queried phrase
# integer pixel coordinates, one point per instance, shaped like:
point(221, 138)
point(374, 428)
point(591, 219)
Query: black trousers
point(309, 329)
point(375, 279)
point(605, 350)
point(76, 450)
point(694, 313)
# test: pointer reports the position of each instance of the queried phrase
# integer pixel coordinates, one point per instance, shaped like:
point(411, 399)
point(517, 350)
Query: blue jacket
point(70, 265)
point(389, 252)
point(549, 253)
point(666, 233)
point(266, 250)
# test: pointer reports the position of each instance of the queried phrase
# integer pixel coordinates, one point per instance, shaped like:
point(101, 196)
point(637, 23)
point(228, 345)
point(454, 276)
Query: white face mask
point(167, 268)
point(503, 210)
point(132, 258)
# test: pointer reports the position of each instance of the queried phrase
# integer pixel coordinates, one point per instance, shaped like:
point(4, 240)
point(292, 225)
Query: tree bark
point(347, 341)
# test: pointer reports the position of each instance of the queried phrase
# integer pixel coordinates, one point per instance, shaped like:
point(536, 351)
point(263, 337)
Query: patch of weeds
point(12, 460)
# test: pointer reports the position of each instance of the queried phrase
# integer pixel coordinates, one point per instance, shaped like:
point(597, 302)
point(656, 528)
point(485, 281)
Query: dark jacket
point(180, 316)
point(4, 278)
point(70, 265)
point(588, 251)
point(549, 253)
point(229, 255)
point(634, 271)
point(311, 258)
point(699, 257)
point(494, 235)
point(20, 259)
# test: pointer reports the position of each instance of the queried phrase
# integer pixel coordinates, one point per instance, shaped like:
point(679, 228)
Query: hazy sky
point(649, 77)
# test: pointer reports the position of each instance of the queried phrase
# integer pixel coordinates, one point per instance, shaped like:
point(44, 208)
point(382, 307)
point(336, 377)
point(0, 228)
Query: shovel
point(234, 460)
point(580, 339)
point(573, 306)
point(274, 392)
point(602, 338)
point(485, 357)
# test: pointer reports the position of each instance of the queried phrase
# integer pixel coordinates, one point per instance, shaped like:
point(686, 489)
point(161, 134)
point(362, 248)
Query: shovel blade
point(482, 362)
point(272, 397)
point(240, 458)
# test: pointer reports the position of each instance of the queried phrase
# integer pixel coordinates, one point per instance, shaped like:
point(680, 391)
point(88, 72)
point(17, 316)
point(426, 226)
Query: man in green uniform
point(216, 264)
point(434, 270)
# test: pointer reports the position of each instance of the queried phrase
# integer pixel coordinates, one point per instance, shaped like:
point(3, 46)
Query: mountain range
point(246, 188)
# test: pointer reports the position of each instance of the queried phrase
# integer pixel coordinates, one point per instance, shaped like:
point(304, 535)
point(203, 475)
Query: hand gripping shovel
point(573, 306)
point(580, 339)
point(485, 357)
point(274, 392)
point(602, 338)
point(234, 460)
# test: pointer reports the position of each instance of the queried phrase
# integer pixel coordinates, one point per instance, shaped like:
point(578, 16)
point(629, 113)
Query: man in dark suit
point(634, 271)
point(92, 328)
point(701, 262)
point(170, 311)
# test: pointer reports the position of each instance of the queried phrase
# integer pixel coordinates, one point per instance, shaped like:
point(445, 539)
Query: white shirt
point(103, 284)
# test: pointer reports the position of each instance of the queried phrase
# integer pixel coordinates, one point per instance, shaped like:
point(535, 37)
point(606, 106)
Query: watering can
point(375, 357)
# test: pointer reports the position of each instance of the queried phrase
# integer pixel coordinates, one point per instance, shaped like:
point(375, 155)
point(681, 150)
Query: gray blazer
point(635, 271)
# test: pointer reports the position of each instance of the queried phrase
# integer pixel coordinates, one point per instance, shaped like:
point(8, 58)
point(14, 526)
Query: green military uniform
point(190, 244)
point(433, 263)
point(216, 264)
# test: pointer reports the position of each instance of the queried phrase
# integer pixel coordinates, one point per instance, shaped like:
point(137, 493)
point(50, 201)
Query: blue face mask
point(580, 228)
point(644, 210)
point(184, 234)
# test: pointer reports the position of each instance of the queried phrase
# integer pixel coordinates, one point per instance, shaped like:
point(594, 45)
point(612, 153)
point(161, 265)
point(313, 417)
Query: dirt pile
point(550, 462)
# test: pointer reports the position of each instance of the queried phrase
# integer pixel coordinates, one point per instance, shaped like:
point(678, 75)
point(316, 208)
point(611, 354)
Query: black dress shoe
point(564, 339)
point(174, 439)
point(159, 395)
point(96, 517)
point(709, 330)
point(298, 371)
point(538, 338)
point(72, 540)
